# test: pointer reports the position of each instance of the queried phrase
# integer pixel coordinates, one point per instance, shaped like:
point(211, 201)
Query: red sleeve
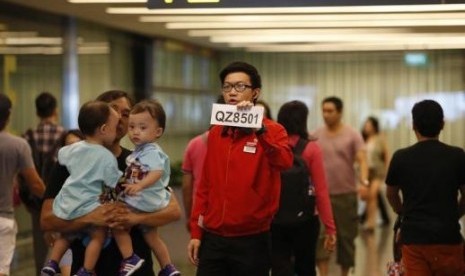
point(203, 187)
point(276, 144)
point(312, 154)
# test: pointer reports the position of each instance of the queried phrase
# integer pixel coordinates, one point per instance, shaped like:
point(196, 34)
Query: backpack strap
point(300, 146)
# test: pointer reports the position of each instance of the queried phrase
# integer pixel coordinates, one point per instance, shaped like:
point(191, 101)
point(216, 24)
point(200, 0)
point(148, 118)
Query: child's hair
point(92, 116)
point(154, 108)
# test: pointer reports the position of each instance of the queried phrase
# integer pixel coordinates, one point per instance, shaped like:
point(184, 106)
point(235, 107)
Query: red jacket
point(239, 190)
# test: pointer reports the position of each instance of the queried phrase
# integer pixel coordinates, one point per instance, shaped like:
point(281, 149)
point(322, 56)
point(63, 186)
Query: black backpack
point(297, 200)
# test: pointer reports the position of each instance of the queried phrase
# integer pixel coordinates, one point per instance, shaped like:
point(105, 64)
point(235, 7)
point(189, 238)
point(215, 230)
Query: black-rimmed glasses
point(239, 87)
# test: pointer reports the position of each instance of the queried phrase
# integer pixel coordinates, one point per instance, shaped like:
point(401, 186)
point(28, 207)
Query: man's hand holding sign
point(244, 114)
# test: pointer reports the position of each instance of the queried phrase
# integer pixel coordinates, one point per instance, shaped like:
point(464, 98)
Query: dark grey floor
point(373, 252)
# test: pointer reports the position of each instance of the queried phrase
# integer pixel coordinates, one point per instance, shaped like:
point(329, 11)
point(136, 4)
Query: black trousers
point(39, 245)
point(294, 248)
point(234, 256)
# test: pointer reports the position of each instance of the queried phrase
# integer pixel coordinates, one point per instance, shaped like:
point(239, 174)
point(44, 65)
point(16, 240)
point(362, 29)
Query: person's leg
point(250, 255)
point(322, 256)
point(8, 230)
point(39, 244)
point(383, 210)
point(213, 254)
point(94, 247)
point(305, 240)
point(372, 205)
point(281, 251)
point(446, 260)
point(158, 247)
point(414, 261)
point(345, 214)
point(60, 245)
point(124, 242)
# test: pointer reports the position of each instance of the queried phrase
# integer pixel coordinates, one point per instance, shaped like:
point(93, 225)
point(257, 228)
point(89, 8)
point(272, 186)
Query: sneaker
point(169, 270)
point(130, 265)
point(51, 268)
point(83, 272)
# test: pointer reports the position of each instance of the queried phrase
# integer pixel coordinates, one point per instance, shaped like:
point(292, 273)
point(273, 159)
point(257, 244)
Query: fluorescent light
point(37, 50)
point(300, 17)
point(291, 10)
point(33, 40)
point(105, 1)
point(203, 1)
point(200, 33)
point(317, 24)
point(95, 48)
point(351, 47)
point(379, 37)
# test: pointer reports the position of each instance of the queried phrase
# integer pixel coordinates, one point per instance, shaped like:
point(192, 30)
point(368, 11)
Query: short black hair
point(239, 66)
point(336, 101)
point(154, 108)
point(46, 104)
point(293, 117)
point(92, 116)
point(5, 110)
point(428, 118)
point(111, 95)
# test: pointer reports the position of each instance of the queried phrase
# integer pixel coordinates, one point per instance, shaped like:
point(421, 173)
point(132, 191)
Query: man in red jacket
point(239, 189)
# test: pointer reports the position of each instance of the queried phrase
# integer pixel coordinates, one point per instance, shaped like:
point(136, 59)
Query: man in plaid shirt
point(42, 140)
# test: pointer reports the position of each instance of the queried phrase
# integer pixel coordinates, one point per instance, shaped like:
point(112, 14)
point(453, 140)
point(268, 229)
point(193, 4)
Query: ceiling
point(407, 27)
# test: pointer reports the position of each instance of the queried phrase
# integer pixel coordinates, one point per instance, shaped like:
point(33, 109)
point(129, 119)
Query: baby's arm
point(148, 180)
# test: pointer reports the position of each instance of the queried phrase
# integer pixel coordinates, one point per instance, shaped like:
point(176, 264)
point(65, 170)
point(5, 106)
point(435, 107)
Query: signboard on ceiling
point(180, 4)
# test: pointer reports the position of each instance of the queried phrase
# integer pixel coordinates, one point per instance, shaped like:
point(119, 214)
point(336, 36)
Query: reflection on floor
point(374, 250)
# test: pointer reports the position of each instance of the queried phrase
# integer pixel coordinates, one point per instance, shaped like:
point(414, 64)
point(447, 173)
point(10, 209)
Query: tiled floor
point(373, 252)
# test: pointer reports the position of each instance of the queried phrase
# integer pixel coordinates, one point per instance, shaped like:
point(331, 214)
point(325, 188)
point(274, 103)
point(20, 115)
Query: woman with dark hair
point(378, 160)
point(298, 242)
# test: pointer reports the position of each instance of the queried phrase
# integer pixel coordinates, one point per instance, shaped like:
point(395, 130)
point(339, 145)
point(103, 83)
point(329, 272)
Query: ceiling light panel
point(201, 33)
point(317, 24)
point(300, 17)
point(292, 10)
point(33, 41)
point(345, 47)
point(420, 38)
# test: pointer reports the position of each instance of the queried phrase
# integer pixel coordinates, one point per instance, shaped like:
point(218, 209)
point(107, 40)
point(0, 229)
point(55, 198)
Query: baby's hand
point(132, 189)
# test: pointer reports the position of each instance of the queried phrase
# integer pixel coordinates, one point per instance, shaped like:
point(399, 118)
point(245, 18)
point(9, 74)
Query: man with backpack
point(296, 225)
point(42, 140)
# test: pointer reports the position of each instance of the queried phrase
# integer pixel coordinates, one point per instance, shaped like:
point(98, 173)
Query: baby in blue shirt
point(147, 175)
point(93, 169)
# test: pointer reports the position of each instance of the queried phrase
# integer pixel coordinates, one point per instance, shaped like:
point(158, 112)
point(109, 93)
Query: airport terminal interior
point(379, 59)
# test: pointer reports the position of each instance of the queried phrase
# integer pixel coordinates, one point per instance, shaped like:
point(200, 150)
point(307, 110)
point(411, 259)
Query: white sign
point(229, 115)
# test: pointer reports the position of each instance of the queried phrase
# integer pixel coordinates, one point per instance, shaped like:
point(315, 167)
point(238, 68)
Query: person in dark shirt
point(112, 215)
point(429, 174)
